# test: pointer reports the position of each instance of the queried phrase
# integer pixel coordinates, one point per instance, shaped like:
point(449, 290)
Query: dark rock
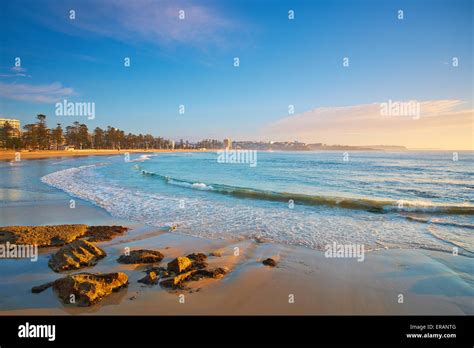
point(199, 260)
point(215, 273)
point(199, 265)
point(269, 262)
point(141, 256)
point(150, 279)
point(156, 269)
point(41, 288)
point(167, 283)
point(200, 257)
point(104, 233)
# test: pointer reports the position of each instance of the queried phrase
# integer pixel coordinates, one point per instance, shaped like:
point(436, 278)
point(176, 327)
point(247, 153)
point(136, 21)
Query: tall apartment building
point(13, 132)
point(227, 144)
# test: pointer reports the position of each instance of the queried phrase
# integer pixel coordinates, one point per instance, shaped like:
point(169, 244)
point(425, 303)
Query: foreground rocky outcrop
point(86, 289)
point(43, 236)
point(178, 281)
point(189, 268)
point(141, 256)
point(57, 235)
point(75, 255)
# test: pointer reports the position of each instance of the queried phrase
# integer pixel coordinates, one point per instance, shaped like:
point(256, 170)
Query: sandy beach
point(389, 281)
point(9, 155)
point(316, 284)
point(236, 172)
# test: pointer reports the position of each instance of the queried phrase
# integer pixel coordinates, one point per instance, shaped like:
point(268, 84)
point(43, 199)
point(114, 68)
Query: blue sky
point(190, 61)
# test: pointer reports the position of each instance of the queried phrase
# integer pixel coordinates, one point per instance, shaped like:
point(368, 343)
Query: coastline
point(431, 282)
point(320, 286)
point(7, 155)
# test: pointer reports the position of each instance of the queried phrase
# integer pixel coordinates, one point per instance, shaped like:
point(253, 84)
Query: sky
point(283, 62)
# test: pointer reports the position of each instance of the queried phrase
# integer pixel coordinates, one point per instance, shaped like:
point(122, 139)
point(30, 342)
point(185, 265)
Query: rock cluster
point(187, 268)
point(78, 250)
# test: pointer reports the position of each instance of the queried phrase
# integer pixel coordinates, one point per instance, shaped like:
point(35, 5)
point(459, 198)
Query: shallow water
point(382, 200)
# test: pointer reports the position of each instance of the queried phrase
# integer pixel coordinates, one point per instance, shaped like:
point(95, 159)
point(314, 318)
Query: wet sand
point(430, 282)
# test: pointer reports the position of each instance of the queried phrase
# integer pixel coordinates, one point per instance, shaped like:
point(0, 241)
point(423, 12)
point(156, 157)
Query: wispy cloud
point(153, 21)
point(18, 69)
point(441, 124)
point(15, 71)
point(35, 93)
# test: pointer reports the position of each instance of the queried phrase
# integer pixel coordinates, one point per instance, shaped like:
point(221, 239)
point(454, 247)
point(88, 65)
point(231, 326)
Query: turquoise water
point(382, 200)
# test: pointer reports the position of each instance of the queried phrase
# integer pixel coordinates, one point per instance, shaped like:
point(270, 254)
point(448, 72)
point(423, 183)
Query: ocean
point(382, 200)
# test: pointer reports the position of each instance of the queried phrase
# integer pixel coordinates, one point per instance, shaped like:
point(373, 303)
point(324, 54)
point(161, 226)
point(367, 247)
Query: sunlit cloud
point(445, 124)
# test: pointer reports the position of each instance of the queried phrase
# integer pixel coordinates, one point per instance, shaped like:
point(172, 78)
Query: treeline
point(37, 136)
point(210, 144)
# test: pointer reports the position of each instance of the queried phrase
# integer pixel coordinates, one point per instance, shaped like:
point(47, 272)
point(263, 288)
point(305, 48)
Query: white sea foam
point(143, 158)
point(196, 185)
point(312, 227)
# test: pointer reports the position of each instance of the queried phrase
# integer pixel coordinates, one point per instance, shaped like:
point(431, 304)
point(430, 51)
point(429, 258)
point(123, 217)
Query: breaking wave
point(207, 217)
point(372, 205)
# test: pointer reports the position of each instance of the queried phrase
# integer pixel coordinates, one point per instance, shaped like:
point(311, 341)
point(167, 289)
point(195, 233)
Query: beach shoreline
point(317, 285)
point(304, 281)
point(8, 155)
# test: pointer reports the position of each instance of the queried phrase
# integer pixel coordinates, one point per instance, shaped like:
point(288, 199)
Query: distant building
point(14, 123)
point(227, 144)
point(14, 131)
